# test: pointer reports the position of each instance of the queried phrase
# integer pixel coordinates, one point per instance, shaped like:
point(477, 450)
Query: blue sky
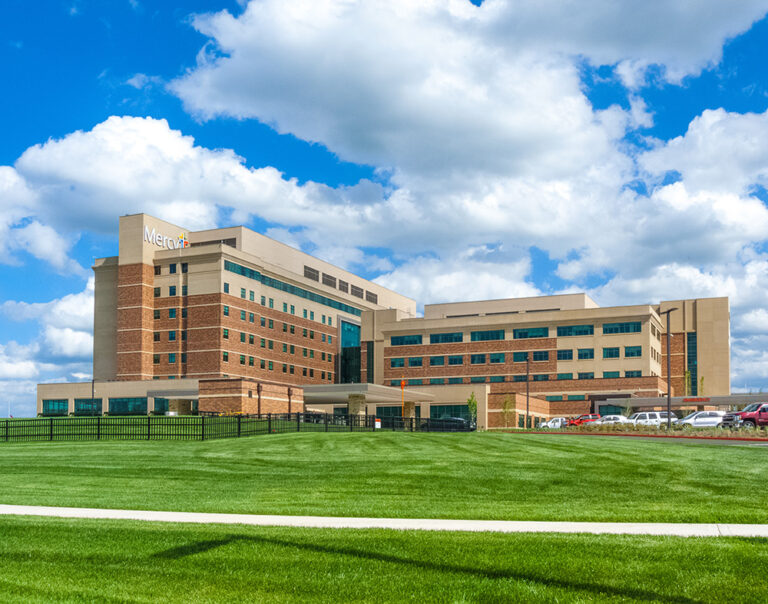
point(449, 150)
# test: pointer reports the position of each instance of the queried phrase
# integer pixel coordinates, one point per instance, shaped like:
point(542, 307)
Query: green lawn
point(55, 560)
point(480, 475)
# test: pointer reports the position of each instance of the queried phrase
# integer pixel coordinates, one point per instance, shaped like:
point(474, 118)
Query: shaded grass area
point(55, 560)
point(475, 476)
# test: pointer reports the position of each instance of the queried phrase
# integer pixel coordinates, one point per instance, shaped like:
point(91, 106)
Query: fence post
point(98, 428)
point(238, 425)
point(298, 424)
point(202, 427)
point(51, 420)
point(7, 425)
point(269, 423)
point(326, 422)
point(149, 426)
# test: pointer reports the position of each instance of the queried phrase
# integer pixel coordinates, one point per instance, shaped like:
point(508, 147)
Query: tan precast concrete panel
point(105, 319)
point(713, 345)
point(134, 249)
point(510, 305)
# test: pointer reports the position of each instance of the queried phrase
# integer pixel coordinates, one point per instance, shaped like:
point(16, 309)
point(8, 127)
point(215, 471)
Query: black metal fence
point(206, 426)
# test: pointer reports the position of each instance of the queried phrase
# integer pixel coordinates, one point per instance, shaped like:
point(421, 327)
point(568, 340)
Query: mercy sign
point(172, 243)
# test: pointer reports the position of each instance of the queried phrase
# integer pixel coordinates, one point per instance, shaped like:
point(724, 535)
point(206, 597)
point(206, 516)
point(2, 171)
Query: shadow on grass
point(198, 547)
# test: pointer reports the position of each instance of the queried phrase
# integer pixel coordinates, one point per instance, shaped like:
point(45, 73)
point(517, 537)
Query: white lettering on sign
point(171, 243)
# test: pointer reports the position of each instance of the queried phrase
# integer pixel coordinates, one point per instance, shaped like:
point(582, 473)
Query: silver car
point(703, 419)
point(612, 419)
point(556, 423)
point(651, 418)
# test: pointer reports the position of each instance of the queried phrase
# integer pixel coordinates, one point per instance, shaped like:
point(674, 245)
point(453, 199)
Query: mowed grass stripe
point(55, 560)
point(475, 476)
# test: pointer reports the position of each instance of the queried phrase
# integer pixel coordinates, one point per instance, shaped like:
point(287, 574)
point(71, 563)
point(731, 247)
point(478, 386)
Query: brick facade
point(248, 396)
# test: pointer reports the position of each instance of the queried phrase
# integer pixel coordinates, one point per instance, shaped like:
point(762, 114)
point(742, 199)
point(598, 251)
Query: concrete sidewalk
point(496, 526)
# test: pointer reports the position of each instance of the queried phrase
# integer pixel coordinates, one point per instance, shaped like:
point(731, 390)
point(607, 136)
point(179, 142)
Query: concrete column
point(410, 409)
point(357, 404)
point(180, 406)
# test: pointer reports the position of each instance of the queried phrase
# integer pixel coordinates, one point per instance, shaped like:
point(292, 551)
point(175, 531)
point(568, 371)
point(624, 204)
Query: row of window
point(171, 268)
point(517, 334)
point(287, 308)
point(270, 323)
point(330, 281)
point(172, 291)
point(172, 313)
point(290, 289)
point(517, 357)
point(287, 348)
point(543, 377)
point(117, 406)
point(270, 366)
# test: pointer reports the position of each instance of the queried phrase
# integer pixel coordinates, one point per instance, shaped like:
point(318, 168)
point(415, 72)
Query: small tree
point(472, 404)
point(687, 382)
point(506, 409)
point(701, 386)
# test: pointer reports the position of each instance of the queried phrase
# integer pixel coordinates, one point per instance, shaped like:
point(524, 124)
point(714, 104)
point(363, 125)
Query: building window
point(251, 317)
point(128, 406)
point(157, 269)
point(329, 280)
point(610, 353)
point(285, 307)
point(58, 406)
point(555, 397)
point(633, 374)
point(226, 287)
point(262, 364)
point(263, 342)
point(311, 335)
point(436, 361)
point(692, 358)
point(477, 359)
point(270, 366)
point(633, 351)
point(587, 375)
point(564, 376)
point(263, 301)
point(496, 357)
point(519, 378)
point(436, 381)
point(496, 378)
point(156, 313)
point(183, 335)
point(285, 327)
point(184, 290)
point(565, 355)
point(242, 315)
point(251, 296)
point(519, 357)
point(171, 313)
point(485, 336)
point(455, 380)
point(156, 359)
point(575, 330)
point(226, 311)
point(250, 339)
point(171, 336)
point(531, 332)
point(586, 353)
point(541, 355)
point(445, 338)
point(413, 340)
point(292, 349)
point(456, 359)
point(305, 313)
point(541, 377)
point(271, 324)
point(293, 309)
point(242, 359)
point(609, 375)
point(250, 361)
point(477, 379)
point(172, 358)
point(415, 362)
point(242, 293)
point(242, 337)
point(357, 292)
point(225, 334)
point(371, 297)
point(311, 315)
point(414, 382)
point(576, 397)
point(184, 267)
point(271, 302)
point(311, 354)
point(330, 339)
point(225, 357)
point(157, 292)
point(271, 344)
point(183, 313)
point(343, 286)
point(285, 347)
point(183, 357)
point(630, 327)
point(172, 269)
point(156, 336)
point(322, 320)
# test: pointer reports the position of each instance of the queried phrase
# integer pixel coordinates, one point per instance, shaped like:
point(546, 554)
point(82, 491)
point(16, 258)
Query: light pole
point(669, 370)
point(527, 385)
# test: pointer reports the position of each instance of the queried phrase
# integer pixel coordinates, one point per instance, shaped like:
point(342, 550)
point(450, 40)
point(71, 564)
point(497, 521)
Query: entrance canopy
point(373, 393)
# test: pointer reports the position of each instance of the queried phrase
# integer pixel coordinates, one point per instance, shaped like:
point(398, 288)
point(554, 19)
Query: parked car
point(651, 418)
point(612, 419)
point(751, 416)
point(584, 419)
point(448, 424)
point(555, 423)
point(703, 419)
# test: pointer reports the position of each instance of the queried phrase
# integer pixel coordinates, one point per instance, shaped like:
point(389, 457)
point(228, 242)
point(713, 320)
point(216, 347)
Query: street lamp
point(527, 385)
point(669, 370)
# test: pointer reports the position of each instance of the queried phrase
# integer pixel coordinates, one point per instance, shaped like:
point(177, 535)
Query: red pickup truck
point(751, 416)
point(583, 419)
